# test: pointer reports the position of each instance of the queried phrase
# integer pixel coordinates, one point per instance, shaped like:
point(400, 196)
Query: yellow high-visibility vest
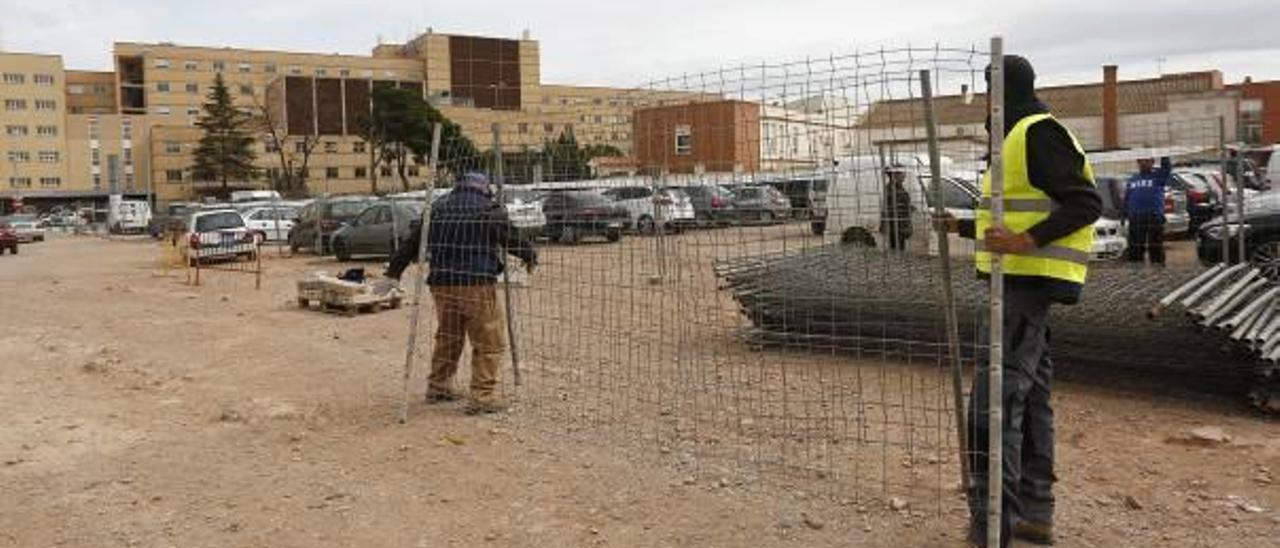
point(1025, 205)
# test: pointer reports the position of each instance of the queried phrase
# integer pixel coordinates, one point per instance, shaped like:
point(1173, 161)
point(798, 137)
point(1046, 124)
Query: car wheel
point(645, 225)
point(568, 235)
point(613, 235)
point(1266, 257)
point(858, 236)
point(340, 250)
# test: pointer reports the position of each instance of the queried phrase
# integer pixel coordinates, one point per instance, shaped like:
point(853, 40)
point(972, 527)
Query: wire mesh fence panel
point(737, 274)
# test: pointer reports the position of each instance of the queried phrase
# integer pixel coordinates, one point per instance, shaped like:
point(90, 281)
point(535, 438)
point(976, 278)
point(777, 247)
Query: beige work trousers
point(462, 312)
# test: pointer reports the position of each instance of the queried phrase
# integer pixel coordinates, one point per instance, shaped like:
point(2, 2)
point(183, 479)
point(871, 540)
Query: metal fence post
point(421, 281)
point(512, 344)
point(995, 417)
point(1240, 244)
point(1222, 152)
point(944, 256)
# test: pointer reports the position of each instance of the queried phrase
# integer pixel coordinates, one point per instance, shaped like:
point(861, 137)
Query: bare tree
point(293, 151)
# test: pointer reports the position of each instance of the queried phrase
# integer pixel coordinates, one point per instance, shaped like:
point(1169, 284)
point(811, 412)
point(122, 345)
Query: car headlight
point(1215, 232)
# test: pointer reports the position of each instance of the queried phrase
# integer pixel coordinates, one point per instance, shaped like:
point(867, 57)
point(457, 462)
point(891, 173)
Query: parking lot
point(221, 415)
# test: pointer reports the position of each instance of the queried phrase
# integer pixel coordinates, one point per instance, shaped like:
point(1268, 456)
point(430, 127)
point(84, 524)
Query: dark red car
point(8, 239)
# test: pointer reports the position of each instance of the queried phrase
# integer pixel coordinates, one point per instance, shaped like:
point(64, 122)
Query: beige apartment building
point(33, 150)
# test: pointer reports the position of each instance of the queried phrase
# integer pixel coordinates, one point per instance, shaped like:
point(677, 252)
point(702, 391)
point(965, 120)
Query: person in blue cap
point(468, 239)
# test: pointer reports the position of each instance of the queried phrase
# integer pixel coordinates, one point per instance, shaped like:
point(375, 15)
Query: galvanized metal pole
point(319, 206)
point(1222, 151)
point(1239, 205)
point(421, 281)
point(995, 419)
point(944, 255)
point(512, 344)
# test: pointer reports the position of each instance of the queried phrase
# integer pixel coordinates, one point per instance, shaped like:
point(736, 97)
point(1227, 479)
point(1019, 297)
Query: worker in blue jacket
point(1144, 210)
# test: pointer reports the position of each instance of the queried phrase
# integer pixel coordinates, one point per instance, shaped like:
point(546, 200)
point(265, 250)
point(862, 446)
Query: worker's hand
point(946, 222)
point(530, 266)
point(999, 239)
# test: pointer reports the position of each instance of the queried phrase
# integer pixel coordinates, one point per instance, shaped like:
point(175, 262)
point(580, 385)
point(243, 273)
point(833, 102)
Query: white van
point(129, 216)
point(238, 196)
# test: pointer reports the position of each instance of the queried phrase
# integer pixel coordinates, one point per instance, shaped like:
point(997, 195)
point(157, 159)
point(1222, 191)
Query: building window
point(46, 104)
point(384, 171)
point(245, 67)
point(43, 79)
point(295, 70)
point(358, 147)
point(548, 128)
point(76, 89)
point(19, 156)
point(15, 131)
point(191, 66)
point(362, 172)
point(330, 147)
point(193, 87)
point(523, 127)
point(48, 156)
point(330, 173)
point(684, 140)
point(321, 72)
point(48, 182)
point(14, 78)
point(163, 111)
point(173, 175)
point(219, 66)
point(193, 111)
point(246, 89)
point(162, 86)
point(95, 156)
point(97, 181)
point(127, 153)
point(46, 131)
point(300, 147)
point(93, 128)
point(162, 63)
point(172, 147)
point(126, 129)
point(344, 73)
point(269, 68)
point(413, 171)
point(15, 104)
point(597, 119)
point(20, 182)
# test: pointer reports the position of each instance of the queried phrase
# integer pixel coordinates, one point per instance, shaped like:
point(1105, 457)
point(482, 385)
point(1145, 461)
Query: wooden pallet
point(361, 306)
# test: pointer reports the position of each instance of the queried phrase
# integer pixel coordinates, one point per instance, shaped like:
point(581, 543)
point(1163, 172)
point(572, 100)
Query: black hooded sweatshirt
point(1054, 166)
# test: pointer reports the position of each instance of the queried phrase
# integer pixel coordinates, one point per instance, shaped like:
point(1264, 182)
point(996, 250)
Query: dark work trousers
point(1146, 236)
point(895, 235)
point(1028, 418)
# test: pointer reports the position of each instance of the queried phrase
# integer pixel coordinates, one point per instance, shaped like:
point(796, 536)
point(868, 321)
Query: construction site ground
point(141, 411)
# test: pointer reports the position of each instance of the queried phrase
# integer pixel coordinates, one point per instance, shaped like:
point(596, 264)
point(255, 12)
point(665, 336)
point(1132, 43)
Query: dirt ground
point(141, 411)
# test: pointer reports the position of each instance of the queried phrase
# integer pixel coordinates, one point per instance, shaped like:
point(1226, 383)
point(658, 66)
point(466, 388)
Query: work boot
point(441, 395)
point(1035, 532)
point(484, 407)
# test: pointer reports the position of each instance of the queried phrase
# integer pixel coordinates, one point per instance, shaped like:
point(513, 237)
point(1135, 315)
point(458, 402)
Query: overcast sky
point(629, 42)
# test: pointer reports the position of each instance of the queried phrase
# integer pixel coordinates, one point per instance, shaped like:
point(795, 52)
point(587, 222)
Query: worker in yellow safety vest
point(1050, 204)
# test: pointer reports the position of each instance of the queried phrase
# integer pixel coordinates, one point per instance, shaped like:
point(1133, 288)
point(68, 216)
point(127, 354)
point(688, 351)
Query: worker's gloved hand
point(530, 266)
point(999, 239)
point(383, 286)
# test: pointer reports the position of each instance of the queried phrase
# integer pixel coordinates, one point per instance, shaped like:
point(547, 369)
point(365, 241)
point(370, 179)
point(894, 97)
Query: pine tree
point(225, 150)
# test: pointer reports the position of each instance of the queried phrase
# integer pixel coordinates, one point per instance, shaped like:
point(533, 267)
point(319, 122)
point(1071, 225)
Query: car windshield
point(519, 195)
point(587, 198)
point(23, 218)
point(221, 220)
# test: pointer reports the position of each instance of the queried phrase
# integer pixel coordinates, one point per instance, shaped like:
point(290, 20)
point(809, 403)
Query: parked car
point(648, 208)
point(807, 195)
point(330, 214)
point(27, 226)
point(8, 238)
point(172, 219)
point(760, 203)
point(129, 216)
point(525, 211)
point(712, 204)
point(270, 223)
point(216, 234)
point(1261, 235)
point(375, 230)
point(575, 214)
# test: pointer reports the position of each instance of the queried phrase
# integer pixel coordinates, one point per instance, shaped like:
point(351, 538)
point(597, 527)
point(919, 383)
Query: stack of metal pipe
point(869, 303)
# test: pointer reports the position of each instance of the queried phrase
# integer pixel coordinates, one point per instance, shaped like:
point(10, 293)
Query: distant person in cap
point(895, 212)
point(1045, 241)
point(1144, 195)
point(468, 236)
